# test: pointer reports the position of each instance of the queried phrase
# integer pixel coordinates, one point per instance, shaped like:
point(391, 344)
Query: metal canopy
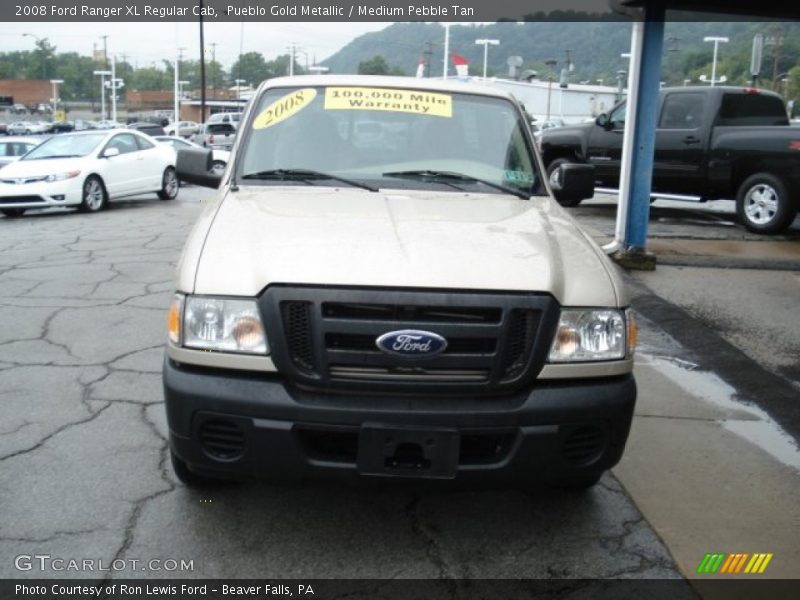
point(764, 10)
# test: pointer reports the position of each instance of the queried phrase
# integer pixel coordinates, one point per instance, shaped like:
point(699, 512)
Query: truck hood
point(401, 238)
point(578, 129)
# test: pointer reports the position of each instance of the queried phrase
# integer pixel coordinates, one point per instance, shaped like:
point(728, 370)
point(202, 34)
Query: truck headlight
point(220, 324)
point(585, 335)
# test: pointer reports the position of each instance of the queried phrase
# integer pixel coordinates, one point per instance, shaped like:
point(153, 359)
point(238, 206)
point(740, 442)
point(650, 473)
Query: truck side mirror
point(194, 165)
point(573, 182)
point(603, 121)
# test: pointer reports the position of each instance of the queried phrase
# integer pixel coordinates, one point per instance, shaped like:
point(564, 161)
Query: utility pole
point(291, 50)
point(202, 67)
point(777, 45)
point(428, 53)
point(674, 47)
point(213, 66)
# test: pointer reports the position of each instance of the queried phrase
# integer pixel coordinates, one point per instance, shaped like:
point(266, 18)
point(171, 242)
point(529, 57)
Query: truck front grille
point(326, 337)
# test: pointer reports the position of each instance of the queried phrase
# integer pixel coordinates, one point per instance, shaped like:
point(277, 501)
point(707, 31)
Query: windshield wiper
point(305, 175)
point(453, 176)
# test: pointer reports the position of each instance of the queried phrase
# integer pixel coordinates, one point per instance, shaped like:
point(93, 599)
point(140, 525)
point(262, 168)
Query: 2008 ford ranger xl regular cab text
point(384, 286)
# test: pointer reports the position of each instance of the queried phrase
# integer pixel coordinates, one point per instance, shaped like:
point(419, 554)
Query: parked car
point(61, 127)
point(215, 135)
point(225, 117)
point(428, 311)
point(3, 128)
point(18, 109)
point(148, 128)
point(44, 109)
point(108, 124)
point(86, 170)
point(182, 129)
point(711, 143)
point(84, 125)
point(219, 158)
point(24, 128)
point(12, 148)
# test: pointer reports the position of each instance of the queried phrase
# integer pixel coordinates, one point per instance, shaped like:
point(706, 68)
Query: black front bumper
point(245, 425)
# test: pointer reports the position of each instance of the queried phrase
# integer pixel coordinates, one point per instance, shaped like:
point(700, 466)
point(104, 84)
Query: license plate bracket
point(408, 451)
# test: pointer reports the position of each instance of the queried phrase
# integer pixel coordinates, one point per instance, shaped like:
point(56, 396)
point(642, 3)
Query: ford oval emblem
point(411, 343)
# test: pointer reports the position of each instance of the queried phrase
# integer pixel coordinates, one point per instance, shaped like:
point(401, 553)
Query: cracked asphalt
point(84, 466)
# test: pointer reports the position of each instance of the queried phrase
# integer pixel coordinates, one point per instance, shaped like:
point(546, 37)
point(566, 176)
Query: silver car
point(217, 136)
point(182, 128)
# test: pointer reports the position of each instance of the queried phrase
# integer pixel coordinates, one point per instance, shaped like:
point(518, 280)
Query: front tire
point(95, 197)
point(13, 213)
point(218, 167)
point(169, 184)
point(764, 205)
point(554, 175)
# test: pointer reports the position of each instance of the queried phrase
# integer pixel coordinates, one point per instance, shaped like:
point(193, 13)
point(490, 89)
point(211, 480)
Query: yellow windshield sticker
point(407, 101)
point(284, 107)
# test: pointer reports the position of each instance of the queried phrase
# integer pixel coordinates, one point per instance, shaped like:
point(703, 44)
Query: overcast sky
point(146, 43)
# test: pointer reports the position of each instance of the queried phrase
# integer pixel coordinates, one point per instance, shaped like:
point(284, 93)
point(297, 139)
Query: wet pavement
point(85, 470)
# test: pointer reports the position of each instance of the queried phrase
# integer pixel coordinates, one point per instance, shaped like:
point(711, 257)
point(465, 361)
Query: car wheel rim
point(94, 195)
point(170, 183)
point(555, 177)
point(761, 204)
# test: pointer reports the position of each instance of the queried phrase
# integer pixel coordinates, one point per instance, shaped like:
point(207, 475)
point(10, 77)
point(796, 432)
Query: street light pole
point(114, 88)
point(239, 83)
point(176, 108)
point(55, 83)
point(486, 43)
point(103, 91)
point(551, 63)
point(716, 40)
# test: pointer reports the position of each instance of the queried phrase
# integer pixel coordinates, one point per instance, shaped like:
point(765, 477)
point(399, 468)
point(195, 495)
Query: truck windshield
point(390, 137)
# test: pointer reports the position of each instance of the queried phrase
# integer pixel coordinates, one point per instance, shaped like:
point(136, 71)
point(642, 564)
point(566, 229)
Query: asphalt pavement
point(84, 468)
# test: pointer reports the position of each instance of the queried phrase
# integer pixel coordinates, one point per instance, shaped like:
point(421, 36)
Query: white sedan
point(86, 170)
point(25, 128)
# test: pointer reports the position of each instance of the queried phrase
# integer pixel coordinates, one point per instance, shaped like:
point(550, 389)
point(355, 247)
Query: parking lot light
point(486, 43)
point(103, 75)
point(717, 40)
point(55, 83)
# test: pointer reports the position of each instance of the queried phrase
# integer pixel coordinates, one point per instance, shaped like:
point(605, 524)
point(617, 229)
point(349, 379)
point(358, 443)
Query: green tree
point(149, 79)
point(376, 65)
point(251, 67)
point(280, 66)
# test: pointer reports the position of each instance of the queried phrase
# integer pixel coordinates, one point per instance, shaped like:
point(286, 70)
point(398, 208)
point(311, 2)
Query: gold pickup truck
point(383, 286)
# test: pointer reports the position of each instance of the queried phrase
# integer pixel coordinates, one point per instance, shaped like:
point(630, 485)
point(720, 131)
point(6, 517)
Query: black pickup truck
point(711, 143)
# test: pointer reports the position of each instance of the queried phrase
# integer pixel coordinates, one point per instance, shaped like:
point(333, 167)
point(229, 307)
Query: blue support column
point(644, 125)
